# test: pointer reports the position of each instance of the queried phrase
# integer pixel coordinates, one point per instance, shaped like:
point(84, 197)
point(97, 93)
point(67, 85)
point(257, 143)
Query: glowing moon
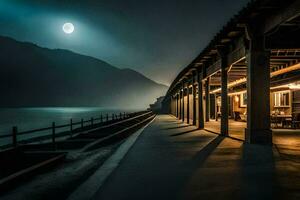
point(68, 28)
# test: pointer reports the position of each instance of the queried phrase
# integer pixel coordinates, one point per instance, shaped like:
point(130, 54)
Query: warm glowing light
point(294, 86)
point(239, 60)
point(236, 99)
point(278, 72)
point(286, 70)
point(68, 28)
point(231, 84)
point(236, 93)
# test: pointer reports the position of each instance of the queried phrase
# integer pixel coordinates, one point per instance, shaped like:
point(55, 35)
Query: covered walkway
point(172, 160)
point(289, 137)
point(235, 129)
point(249, 71)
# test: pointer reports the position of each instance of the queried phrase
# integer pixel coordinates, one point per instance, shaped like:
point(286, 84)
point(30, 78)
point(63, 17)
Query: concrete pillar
point(194, 100)
point(224, 94)
point(258, 92)
point(207, 100)
point(182, 107)
point(200, 100)
point(188, 104)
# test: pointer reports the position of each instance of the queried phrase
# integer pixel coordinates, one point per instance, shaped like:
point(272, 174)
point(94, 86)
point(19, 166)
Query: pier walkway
point(172, 160)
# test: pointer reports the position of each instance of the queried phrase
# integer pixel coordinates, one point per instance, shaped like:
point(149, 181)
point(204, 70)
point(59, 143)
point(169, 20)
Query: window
point(243, 101)
point(282, 99)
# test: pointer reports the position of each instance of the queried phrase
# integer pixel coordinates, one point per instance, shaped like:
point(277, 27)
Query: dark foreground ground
point(171, 160)
point(58, 183)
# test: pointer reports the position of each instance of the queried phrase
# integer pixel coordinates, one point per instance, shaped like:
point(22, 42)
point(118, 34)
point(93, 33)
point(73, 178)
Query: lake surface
point(34, 118)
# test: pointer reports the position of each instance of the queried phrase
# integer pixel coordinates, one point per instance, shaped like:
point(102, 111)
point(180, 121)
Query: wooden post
point(120, 115)
point(81, 123)
point(71, 127)
point(188, 104)
point(200, 100)
point(53, 136)
point(182, 107)
point(101, 118)
point(14, 136)
point(258, 89)
point(106, 117)
point(113, 116)
point(224, 97)
point(177, 105)
point(207, 99)
point(194, 100)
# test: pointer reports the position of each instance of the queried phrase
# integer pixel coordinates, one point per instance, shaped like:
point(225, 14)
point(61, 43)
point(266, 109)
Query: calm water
point(33, 118)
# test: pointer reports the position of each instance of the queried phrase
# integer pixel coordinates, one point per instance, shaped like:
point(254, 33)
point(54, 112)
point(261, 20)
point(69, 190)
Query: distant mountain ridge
point(34, 76)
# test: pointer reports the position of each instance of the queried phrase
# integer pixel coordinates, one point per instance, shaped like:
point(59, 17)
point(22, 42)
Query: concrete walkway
point(171, 160)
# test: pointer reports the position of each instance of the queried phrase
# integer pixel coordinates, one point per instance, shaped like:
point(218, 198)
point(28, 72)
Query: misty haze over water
point(34, 118)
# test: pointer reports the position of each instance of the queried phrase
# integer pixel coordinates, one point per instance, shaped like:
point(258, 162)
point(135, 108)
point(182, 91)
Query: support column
point(215, 114)
point(179, 110)
point(194, 100)
point(207, 100)
point(177, 98)
point(173, 105)
point(258, 92)
point(224, 94)
point(200, 100)
point(182, 117)
point(188, 104)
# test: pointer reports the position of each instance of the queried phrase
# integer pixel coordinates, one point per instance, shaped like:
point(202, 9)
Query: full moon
point(68, 28)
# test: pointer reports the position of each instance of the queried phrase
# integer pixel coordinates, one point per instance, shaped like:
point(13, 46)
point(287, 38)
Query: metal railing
point(55, 130)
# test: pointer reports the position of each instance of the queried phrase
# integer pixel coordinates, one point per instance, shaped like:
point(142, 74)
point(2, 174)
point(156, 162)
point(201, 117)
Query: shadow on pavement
point(204, 153)
point(176, 127)
point(182, 133)
point(258, 173)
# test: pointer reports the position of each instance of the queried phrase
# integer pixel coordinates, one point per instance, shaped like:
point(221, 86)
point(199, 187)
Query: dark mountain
point(35, 76)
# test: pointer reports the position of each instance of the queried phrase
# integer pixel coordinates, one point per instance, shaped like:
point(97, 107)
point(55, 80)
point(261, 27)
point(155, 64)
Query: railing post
point(81, 124)
point(113, 116)
point(101, 118)
point(92, 121)
point(14, 136)
point(71, 127)
point(120, 115)
point(53, 136)
point(106, 117)
point(124, 115)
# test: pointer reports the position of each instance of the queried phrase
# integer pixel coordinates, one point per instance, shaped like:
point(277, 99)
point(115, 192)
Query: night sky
point(155, 37)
